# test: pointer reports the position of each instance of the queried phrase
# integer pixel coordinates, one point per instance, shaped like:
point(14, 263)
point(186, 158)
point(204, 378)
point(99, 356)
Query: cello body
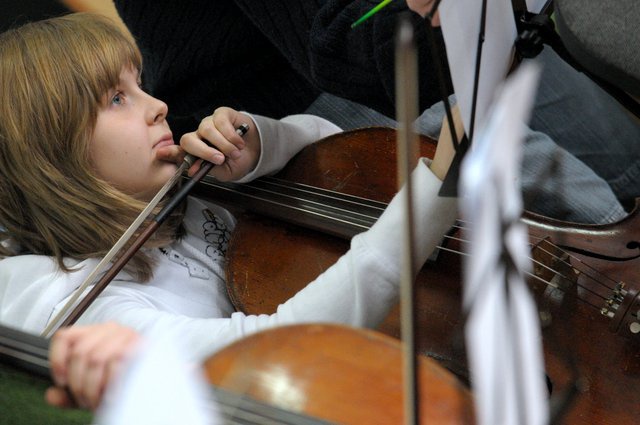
point(591, 355)
point(301, 374)
point(337, 373)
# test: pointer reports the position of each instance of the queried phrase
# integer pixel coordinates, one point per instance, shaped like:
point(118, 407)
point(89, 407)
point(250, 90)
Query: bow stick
point(137, 244)
point(120, 243)
point(407, 112)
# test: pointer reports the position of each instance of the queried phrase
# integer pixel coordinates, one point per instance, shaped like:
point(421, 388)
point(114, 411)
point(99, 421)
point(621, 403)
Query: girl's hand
point(85, 360)
point(216, 141)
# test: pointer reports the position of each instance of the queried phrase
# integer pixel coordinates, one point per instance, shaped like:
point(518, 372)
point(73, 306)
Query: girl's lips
point(164, 142)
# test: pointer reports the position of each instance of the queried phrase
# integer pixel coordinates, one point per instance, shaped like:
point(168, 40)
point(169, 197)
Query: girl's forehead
point(125, 74)
point(131, 70)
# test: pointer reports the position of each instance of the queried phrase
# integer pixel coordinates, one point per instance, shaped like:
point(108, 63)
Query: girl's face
point(130, 129)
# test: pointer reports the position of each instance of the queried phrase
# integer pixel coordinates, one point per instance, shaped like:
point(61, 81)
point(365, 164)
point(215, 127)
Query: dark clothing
point(202, 54)
point(359, 63)
point(268, 57)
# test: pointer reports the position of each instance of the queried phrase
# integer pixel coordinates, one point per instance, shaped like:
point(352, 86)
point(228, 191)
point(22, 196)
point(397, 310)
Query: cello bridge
point(612, 303)
point(553, 270)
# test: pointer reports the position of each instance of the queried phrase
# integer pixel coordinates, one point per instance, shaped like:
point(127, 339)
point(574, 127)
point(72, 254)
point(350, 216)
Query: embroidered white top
point(187, 294)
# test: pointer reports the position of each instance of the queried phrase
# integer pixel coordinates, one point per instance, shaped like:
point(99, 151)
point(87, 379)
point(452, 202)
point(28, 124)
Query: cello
point(583, 274)
point(266, 378)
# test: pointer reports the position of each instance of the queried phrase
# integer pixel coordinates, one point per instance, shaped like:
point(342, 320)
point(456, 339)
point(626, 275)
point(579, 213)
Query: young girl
point(82, 148)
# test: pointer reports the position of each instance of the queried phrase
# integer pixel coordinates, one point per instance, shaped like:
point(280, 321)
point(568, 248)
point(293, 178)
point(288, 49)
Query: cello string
point(373, 210)
point(570, 256)
point(536, 277)
point(541, 264)
point(372, 216)
point(345, 212)
point(376, 209)
point(596, 280)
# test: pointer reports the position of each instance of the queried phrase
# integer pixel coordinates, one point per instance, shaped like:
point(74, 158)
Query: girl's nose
point(158, 110)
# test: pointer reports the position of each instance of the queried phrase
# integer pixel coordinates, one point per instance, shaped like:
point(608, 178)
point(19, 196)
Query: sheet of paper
point(159, 387)
point(502, 330)
point(460, 21)
point(535, 6)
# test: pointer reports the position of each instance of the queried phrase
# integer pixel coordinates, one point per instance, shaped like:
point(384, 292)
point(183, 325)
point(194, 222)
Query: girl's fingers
point(60, 351)
point(220, 133)
point(227, 121)
point(89, 360)
point(56, 396)
point(193, 144)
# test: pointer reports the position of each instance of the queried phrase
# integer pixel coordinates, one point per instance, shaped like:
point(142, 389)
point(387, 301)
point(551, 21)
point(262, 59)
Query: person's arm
point(84, 359)
point(358, 290)
point(264, 149)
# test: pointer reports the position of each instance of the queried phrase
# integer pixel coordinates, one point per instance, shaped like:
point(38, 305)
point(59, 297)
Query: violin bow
point(407, 113)
point(119, 244)
point(159, 218)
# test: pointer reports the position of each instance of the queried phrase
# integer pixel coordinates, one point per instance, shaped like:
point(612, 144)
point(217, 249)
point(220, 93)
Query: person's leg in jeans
point(554, 182)
point(583, 119)
point(346, 114)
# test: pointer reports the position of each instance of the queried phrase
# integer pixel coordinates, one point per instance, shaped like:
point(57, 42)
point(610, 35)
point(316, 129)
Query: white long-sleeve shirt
point(187, 294)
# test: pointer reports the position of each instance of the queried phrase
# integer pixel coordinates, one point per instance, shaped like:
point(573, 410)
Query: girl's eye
point(117, 99)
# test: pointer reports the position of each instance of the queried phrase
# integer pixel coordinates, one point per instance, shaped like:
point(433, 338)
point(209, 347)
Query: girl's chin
point(160, 180)
point(167, 170)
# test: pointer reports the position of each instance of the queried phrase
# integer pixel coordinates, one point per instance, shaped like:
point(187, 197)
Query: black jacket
point(269, 57)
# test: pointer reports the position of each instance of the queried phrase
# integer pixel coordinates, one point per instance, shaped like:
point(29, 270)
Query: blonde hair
point(53, 77)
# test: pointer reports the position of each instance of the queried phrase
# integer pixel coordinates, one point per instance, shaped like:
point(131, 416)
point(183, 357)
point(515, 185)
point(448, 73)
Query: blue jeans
point(554, 182)
point(583, 119)
point(580, 156)
point(346, 114)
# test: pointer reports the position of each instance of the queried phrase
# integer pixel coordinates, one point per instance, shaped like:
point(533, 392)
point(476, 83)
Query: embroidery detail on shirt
point(194, 269)
point(216, 234)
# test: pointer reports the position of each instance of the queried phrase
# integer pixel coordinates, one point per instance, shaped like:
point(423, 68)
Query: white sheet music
point(535, 6)
point(502, 330)
point(460, 21)
point(159, 387)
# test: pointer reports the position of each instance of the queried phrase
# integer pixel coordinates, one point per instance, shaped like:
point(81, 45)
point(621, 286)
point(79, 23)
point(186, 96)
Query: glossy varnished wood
point(338, 374)
point(268, 269)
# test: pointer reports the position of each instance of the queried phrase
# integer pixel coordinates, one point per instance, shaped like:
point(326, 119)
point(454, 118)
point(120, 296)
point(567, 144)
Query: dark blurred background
point(17, 12)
